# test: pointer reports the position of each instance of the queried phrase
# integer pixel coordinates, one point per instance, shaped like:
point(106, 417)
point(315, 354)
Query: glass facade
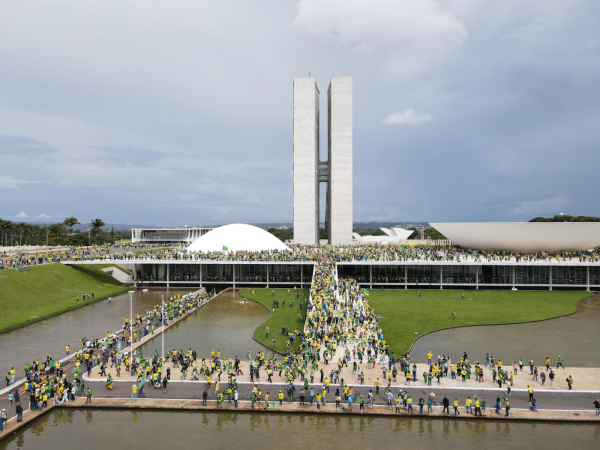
point(388, 274)
point(459, 274)
point(531, 275)
point(495, 275)
point(392, 274)
point(424, 274)
point(569, 275)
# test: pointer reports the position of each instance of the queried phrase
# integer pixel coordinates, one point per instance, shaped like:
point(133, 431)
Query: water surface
point(225, 323)
point(50, 336)
point(71, 429)
point(574, 337)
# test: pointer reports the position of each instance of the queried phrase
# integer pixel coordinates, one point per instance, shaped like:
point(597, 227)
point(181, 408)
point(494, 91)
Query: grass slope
point(50, 289)
point(403, 313)
point(283, 316)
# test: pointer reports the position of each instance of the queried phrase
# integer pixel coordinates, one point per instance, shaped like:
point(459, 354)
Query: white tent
point(236, 237)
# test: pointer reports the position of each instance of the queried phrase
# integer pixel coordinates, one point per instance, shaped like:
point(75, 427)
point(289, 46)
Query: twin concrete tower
point(310, 171)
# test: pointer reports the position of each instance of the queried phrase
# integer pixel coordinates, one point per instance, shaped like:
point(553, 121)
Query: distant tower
point(339, 190)
point(306, 158)
point(309, 171)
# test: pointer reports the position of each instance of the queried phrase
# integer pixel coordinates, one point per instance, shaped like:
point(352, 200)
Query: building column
point(200, 275)
point(587, 277)
point(302, 276)
point(168, 274)
point(476, 277)
point(406, 277)
point(512, 276)
point(370, 276)
point(267, 275)
point(233, 269)
point(134, 275)
point(441, 286)
point(550, 276)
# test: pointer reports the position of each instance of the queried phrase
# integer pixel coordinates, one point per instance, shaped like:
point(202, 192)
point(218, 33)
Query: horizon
point(463, 111)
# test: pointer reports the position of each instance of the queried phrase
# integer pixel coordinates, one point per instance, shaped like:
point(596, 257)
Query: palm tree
point(56, 229)
point(70, 222)
point(96, 226)
point(23, 228)
point(5, 225)
point(12, 227)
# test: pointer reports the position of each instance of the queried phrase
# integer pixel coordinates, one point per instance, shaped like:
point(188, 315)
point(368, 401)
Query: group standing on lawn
point(340, 331)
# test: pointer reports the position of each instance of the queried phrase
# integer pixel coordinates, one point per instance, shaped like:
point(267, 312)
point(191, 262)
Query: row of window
point(576, 275)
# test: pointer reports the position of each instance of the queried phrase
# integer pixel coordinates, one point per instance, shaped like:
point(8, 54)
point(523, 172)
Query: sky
point(179, 112)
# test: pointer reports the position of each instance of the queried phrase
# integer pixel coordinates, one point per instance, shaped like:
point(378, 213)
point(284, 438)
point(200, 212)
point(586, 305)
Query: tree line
point(57, 234)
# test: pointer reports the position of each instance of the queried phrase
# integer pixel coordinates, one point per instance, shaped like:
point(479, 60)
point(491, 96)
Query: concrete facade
point(339, 195)
point(309, 171)
point(306, 159)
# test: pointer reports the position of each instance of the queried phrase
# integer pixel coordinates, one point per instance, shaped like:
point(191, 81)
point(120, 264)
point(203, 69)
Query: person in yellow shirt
point(68, 349)
point(409, 403)
point(469, 405)
point(134, 390)
point(429, 357)
point(455, 404)
point(280, 396)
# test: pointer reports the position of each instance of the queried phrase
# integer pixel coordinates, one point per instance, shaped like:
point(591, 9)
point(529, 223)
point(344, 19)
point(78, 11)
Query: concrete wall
point(119, 275)
point(340, 160)
point(306, 157)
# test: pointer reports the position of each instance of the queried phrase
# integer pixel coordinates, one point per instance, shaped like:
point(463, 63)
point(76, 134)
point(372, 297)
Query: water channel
point(574, 337)
point(225, 323)
point(70, 429)
point(50, 336)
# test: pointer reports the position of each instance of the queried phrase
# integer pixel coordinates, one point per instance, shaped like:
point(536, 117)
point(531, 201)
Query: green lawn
point(283, 316)
point(50, 289)
point(402, 312)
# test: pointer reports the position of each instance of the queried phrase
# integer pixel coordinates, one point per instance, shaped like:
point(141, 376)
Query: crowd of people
point(345, 253)
point(47, 379)
point(340, 331)
point(27, 257)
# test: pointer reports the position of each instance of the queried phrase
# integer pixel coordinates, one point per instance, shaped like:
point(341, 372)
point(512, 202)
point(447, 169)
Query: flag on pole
point(367, 292)
point(225, 248)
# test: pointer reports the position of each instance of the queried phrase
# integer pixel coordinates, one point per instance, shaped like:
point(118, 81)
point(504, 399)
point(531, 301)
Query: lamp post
point(163, 333)
point(131, 323)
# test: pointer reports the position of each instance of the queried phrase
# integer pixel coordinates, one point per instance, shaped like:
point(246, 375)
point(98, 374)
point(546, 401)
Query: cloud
point(409, 117)
point(9, 182)
point(44, 216)
point(24, 146)
point(22, 215)
point(131, 156)
point(547, 206)
point(369, 24)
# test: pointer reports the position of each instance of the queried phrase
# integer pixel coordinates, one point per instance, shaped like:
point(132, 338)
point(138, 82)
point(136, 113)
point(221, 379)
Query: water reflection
point(239, 430)
point(224, 324)
point(573, 337)
point(49, 337)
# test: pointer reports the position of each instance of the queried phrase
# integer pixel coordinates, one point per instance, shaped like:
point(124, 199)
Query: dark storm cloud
point(24, 147)
point(463, 110)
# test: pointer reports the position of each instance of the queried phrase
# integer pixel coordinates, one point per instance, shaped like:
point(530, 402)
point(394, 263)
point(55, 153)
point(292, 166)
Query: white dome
point(236, 237)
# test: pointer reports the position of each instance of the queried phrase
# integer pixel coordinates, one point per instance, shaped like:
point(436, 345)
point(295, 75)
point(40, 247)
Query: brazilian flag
point(367, 293)
point(225, 248)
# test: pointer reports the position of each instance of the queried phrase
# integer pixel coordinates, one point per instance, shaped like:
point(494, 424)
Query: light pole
point(131, 323)
point(163, 333)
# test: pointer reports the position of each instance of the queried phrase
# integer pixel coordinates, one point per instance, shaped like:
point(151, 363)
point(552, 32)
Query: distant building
point(159, 235)
point(310, 171)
